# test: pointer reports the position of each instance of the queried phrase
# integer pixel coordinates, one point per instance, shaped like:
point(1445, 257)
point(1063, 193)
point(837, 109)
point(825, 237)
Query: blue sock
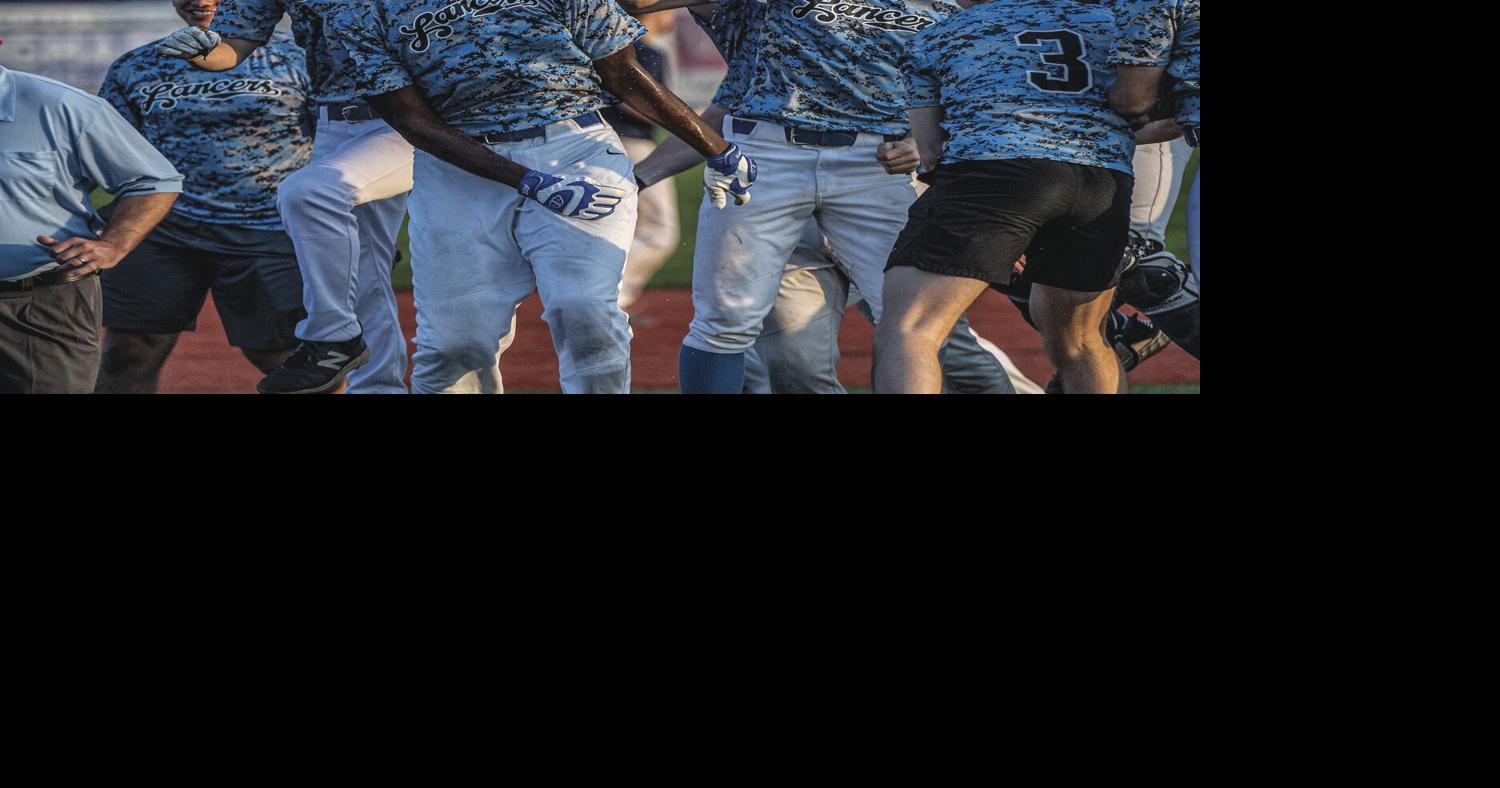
point(699, 372)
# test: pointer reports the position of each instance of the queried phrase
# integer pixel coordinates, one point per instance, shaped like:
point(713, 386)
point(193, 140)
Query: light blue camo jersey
point(233, 135)
point(1164, 33)
point(825, 66)
point(256, 20)
point(729, 44)
point(1023, 79)
point(488, 65)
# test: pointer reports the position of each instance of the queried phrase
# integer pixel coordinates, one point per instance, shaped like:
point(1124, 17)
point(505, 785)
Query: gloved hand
point(578, 198)
point(730, 172)
point(189, 43)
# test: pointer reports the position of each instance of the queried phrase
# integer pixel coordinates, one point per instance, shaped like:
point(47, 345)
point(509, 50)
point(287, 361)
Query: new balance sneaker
point(315, 367)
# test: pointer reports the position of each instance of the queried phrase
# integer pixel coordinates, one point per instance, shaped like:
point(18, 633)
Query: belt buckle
point(347, 113)
point(1191, 133)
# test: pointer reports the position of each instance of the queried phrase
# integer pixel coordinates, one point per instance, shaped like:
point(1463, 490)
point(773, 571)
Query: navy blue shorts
point(161, 286)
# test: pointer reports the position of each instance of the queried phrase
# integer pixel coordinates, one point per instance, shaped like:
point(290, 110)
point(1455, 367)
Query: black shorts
point(160, 287)
point(1071, 221)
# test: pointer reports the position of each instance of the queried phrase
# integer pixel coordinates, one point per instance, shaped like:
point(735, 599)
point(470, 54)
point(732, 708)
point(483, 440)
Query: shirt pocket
point(31, 176)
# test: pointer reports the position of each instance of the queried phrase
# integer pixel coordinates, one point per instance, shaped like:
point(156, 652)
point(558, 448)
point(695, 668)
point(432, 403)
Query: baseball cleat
point(315, 368)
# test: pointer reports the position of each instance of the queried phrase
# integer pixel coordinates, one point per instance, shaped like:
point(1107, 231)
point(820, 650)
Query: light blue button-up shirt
point(56, 144)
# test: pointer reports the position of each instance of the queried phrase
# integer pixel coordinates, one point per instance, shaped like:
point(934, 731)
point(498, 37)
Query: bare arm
point(1136, 90)
point(1158, 131)
point(624, 76)
point(674, 156)
point(132, 220)
point(408, 113)
point(229, 53)
point(926, 127)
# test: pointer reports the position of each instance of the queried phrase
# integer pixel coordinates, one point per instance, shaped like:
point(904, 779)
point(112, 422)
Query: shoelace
point(304, 356)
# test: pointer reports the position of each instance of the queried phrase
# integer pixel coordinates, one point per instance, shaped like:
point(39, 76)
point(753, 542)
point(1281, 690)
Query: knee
point(313, 186)
point(127, 351)
point(594, 324)
point(1072, 349)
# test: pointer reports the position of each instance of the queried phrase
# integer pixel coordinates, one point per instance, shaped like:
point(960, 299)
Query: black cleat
point(315, 368)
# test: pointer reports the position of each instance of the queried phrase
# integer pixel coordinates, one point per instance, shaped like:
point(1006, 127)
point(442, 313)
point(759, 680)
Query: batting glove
point(189, 43)
point(580, 198)
point(730, 172)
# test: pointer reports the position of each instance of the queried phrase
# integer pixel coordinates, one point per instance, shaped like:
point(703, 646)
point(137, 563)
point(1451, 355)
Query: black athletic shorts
point(979, 217)
point(160, 287)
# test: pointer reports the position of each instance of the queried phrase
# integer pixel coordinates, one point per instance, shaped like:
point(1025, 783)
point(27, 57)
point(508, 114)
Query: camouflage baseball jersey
point(1023, 79)
point(1163, 33)
point(255, 20)
point(826, 66)
point(732, 88)
point(234, 136)
point(488, 65)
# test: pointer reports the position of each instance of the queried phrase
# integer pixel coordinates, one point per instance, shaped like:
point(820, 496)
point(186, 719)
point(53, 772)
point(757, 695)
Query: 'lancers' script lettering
point(439, 24)
point(166, 94)
point(883, 18)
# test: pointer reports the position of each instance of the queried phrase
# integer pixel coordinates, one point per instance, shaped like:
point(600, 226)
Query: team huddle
point(907, 155)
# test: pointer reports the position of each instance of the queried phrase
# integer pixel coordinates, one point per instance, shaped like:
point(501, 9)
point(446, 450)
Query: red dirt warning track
point(205, 364)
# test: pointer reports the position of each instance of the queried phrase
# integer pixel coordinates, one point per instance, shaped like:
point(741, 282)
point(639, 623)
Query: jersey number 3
point(1063, 52)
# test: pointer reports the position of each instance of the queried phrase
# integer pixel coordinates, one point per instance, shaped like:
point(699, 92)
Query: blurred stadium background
point(75, 41)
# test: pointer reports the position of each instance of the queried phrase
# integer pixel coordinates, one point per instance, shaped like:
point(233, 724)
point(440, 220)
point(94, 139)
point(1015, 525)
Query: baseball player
point(1158, 52)
point(796, 350)
point(822, 106)
point(343, 211)
point(234, 140)
point(1009, 107)
point(520, 184)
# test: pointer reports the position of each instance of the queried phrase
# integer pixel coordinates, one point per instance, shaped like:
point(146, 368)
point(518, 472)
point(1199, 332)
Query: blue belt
point(586, 120)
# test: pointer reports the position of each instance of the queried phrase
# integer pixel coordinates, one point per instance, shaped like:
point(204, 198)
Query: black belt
point(48, 279)
point(584, 121)
point(350, 113)
point(1191, 132)
point(827, 139)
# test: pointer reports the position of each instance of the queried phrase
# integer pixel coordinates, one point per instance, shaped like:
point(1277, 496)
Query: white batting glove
point(189, 43)
point(730, 172)
point(578, 198)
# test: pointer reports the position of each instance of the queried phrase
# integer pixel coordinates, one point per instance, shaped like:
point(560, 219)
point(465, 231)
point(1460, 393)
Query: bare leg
point(132, 361)
point(920, 311)
point(1072, 327)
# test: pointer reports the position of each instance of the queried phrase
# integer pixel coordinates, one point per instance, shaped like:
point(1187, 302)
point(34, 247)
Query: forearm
point(1136, 90)
point(674, 155)
point(927, 132)
point(1158, 131)
point(426, 132)
point(133, 218)
point(228, 54)
point(623, 76)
